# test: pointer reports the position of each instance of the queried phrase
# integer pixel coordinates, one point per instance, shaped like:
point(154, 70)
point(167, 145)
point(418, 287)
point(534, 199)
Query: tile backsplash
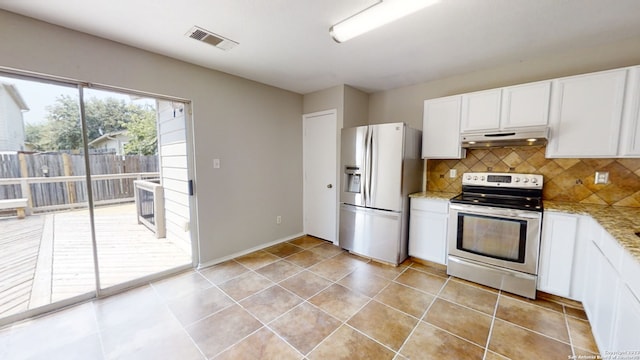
point(564, 179)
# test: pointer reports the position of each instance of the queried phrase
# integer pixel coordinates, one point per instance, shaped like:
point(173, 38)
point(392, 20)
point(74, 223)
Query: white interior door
point(320, 181)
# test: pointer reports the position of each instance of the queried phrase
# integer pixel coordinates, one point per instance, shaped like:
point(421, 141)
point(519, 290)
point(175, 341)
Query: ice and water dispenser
point(352, 176)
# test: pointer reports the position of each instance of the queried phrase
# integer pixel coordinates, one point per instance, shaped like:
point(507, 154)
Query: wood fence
point(56, 180)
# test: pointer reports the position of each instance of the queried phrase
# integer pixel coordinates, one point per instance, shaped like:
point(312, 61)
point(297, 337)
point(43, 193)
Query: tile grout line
point(422, 317)
point(236, 302)
point(266, 325)
point(566, 322)
point(493, 320)
point(99, 330)
point(533, 331)
point(345, 322)
point(165, 302)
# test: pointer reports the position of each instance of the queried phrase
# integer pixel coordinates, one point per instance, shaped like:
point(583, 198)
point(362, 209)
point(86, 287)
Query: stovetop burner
point(505, 190)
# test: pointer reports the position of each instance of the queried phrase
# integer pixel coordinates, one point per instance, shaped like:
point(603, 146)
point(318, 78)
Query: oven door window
point(499, 238)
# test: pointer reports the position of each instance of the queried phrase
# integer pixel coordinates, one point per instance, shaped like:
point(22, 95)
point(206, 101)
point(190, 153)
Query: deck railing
point(150, 205)
point(71, 191)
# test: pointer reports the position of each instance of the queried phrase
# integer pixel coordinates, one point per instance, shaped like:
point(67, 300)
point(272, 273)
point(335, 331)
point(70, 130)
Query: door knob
point(329, 186)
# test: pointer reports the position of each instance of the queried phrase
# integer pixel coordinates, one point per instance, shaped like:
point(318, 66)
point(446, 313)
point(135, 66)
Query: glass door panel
point(46, 257)
point(135, 234)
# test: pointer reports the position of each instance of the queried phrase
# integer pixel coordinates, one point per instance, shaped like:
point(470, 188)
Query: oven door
point(502, 237)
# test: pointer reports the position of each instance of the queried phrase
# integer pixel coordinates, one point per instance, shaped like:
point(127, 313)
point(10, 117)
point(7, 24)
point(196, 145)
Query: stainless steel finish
point(352, 160)
point(500, 278)
point(376, 238)
point(532, 248)
point(534, 136)
point(521, 181)
point(381, 166)
point(385, 167)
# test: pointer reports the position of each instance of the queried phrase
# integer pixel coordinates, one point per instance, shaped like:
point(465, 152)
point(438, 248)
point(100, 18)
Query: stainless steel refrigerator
point(381, 166)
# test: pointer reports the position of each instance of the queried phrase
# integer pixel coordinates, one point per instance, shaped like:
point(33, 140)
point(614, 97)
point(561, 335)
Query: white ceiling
point(286, 43)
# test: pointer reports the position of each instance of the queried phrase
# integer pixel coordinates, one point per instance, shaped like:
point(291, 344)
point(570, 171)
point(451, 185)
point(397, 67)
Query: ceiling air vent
point(210, 38)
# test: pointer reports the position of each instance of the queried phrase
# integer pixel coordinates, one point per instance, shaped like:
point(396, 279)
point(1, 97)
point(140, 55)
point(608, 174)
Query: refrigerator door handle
point(373, 174)
point(365, 175)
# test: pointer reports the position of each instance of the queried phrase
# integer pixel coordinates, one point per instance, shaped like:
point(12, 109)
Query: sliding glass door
point(102, 178)
point(47, 256)
point(131, 189)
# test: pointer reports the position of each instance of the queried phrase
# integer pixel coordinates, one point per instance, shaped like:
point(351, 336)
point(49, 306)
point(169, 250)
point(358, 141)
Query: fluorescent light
point(375, 16)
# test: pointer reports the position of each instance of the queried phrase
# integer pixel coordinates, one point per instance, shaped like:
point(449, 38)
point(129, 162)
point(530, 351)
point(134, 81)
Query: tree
point(34, 135)
point(63, 131)
point(143, 137)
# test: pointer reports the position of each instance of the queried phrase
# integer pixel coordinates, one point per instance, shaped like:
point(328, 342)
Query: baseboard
point(248, 251)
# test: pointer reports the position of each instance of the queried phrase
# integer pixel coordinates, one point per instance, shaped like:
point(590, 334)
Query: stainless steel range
point(494, 231)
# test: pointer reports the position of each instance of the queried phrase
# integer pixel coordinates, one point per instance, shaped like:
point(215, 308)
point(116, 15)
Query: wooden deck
point(46, 258)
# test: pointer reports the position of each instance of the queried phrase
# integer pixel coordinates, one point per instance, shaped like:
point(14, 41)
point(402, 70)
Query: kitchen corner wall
point(564, 179)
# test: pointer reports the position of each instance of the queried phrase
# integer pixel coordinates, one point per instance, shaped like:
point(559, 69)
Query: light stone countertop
point(433, 195)
point(619, 221)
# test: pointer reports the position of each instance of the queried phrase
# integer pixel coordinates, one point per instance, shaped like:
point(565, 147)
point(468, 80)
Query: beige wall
point(351, 104)
point(406, 103)
point(356, 107)
point(254, 129)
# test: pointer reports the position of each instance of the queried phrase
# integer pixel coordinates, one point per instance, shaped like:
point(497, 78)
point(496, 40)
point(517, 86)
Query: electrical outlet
point(278, 219)
point(216, 163)
point(602, 177)
point(453, 173)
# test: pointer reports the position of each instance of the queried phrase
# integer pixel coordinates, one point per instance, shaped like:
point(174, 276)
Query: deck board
point(126, 251)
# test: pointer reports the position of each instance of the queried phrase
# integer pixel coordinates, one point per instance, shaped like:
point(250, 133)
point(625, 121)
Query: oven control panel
point(512, 180)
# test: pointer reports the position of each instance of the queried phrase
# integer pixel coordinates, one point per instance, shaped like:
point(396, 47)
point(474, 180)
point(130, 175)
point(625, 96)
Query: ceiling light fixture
point(381, 13)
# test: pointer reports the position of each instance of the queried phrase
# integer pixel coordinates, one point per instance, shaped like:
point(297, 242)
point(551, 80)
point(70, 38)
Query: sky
point(38, 96)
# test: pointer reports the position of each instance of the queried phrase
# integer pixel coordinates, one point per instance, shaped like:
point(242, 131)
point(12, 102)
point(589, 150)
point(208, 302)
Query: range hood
point(535, 136)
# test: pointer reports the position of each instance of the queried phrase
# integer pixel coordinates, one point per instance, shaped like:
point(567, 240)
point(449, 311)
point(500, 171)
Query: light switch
point(216, 163)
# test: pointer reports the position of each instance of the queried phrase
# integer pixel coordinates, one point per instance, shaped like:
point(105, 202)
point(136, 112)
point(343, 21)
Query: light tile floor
point(306, 299)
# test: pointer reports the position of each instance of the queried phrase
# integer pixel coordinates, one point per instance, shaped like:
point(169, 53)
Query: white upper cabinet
point(506, 108)
point(586, 114)
point(630, 136)
point(441, 128)
point(481, 110)
point(526, 105)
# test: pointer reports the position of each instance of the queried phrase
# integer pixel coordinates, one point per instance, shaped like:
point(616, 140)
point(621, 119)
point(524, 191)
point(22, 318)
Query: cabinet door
point(626, 336)
point(481, 110)
point(428, 230)
point(556, 253)
point(526, 105)
point(601, 298)
point(630, 135)
point(586, 112)
point(441, 128)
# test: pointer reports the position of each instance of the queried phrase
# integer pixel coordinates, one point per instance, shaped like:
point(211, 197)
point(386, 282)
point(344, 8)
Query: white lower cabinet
point(580, 260)
point(601, 297)
point(626, 336)
point(428, 229)
point(557, 248)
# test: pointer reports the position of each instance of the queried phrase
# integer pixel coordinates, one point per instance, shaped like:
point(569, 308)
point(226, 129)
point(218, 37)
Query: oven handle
point(496, 211)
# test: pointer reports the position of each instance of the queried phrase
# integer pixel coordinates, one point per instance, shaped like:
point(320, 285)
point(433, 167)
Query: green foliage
point(143, 135)
point(62, 130)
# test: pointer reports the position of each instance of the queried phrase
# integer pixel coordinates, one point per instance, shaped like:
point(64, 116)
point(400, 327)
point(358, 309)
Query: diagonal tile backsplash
point(564, 179)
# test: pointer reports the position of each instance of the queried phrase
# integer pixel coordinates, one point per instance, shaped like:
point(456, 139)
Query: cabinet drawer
point(432, 205)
